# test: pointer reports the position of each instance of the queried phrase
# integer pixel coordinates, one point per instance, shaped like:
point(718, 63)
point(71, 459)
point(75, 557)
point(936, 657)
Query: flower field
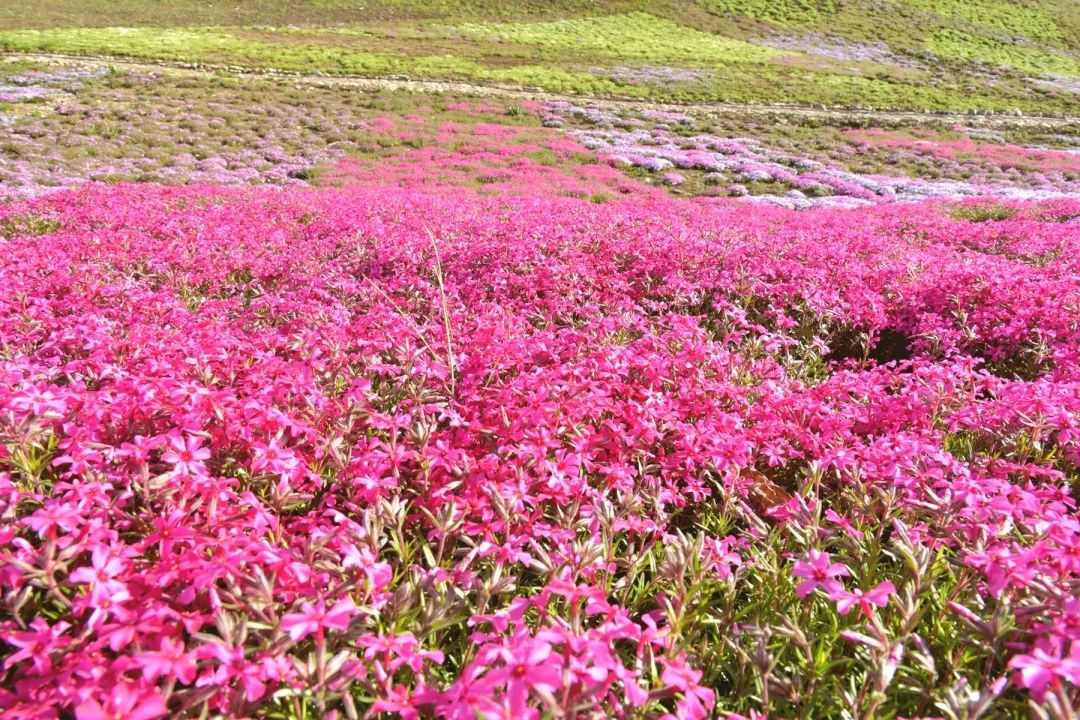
point(368, 451)
point(325, 396)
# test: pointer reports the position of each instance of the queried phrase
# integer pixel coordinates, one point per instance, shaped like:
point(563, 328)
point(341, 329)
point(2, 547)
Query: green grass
point(974, 55)
point(973, 48)
point(907, 23)
point(631, 36)
point(1006, 17)
point(981, 212)
point(41, 14)
point(195, 45)
point(781, 12)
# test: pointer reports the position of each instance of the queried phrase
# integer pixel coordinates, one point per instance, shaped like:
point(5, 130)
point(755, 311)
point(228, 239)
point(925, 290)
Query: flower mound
point(331, 453)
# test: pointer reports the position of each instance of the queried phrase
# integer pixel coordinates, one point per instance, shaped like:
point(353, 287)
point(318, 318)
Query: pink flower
point(187, 455)
point(720, 556)
point(169, 530)
point(696, 702)
point(36, 644)
point(819, 572)
point(528, 668)
point(315, 618)
point(101, 577)
point(169, 661)
point(124, 702)
point(137, 452)
point(53, 517)
point(878, 595)
point(107, 595)
point(40, 401)
point(635, 695)
point(1039, 671)
point(396, 651)
point(274, 459)
point(234, 665)
point(399, 702)
point(843, 523)
point(507, 441)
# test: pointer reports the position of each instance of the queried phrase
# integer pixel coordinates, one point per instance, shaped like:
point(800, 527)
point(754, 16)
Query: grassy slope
point(929, 54)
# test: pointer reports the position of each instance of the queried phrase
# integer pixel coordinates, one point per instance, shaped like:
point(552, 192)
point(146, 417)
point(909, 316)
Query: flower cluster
point(654, 75)
point(35, 85)
point(796, 178)
point(152, 127)
point(838, 48)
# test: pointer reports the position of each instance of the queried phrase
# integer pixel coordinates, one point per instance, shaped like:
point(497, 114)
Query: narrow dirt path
point(453, 87)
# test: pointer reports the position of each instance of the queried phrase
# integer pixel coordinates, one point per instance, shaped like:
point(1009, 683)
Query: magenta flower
point(315, 618)
point(170, 530)
point(843, 523)
point(274, 459)
point(818, 572)
point(101, 577)
point(1040, 671)
point(136, 452)
point(695, 702)
point(52, 518)
point(40, 401)
point(876, 596)
point(531, 668)
point(170, 661)
point(124, 702)
point(106, 594)
point(399, 702)
point(186, 455)
point(396, 651)
point(233, 664)
point(36, 644)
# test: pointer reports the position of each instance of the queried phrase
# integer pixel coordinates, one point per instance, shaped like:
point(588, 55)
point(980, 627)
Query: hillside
point(957, 55)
